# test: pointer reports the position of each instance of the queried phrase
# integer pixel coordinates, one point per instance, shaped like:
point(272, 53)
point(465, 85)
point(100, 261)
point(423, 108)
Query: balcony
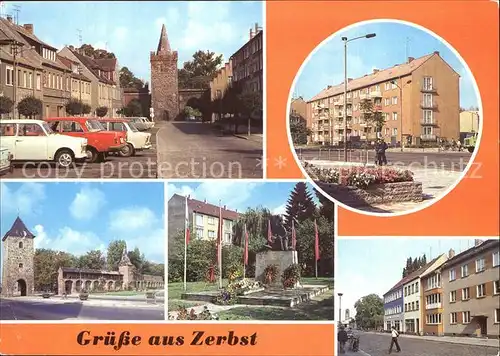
point(376, 94)
point(364, 96)
point(428, 106)
point(428, 89)
point(430, 137)
point(433, 306)
point(429, 123)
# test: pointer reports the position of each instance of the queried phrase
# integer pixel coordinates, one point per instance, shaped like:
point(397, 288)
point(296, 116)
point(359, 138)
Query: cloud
point(87, 203)
point(26, 200)
point(213, 191)
point(120, 33)
point(132, 219)
point(280, 210)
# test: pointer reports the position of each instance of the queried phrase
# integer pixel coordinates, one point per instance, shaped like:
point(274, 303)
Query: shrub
point(228, 295)
point(6, 105)
point(86, 109)
point(74, 107)
point(101, 111)
point(290, 276)
point(30, 107)
point(270, 274)
point(183, 314)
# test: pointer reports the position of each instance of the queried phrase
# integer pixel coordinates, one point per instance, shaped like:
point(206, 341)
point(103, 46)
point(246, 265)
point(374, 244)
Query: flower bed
point(229, 295)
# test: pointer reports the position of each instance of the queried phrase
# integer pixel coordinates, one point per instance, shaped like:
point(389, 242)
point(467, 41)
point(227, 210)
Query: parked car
point(34, 140)
point(136, 140)
point(5, 161)
point(99, 141)
point(141, 123)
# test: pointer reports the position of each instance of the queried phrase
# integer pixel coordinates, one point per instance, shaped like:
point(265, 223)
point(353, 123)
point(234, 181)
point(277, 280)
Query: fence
point(336, 155)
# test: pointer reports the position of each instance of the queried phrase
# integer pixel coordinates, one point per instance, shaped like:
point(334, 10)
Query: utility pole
point(14, 77)
point(17, 10)
point(80, 38)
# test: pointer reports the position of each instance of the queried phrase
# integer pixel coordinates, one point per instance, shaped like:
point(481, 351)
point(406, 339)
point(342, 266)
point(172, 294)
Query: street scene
point(264, 254)
point(98, 255)
point(435, 297)
point(119, 103)
point(384, 138)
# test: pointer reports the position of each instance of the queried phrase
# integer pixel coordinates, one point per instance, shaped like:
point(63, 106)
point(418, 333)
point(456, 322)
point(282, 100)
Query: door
point(31, 143)
point(417, 326)
point(8, 136)
point(71, 128)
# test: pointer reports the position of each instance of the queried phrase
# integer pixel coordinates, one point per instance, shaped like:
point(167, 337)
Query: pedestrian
point(342, 339)
point(459, 145)
point(378, 153)
point(383, 148)
point(394, 340)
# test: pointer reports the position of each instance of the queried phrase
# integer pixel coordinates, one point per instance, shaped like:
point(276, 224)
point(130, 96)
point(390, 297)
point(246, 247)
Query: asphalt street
point(196, 150)
point(142, 165)
point(32, 310)
point(378, 345)
point(454, 161)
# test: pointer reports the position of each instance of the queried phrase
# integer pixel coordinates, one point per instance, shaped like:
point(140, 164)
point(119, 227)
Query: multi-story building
point(298, 110)
point(471, 291)
point(78, 83)
point(220, 83)
point(203, 218)
point(393, 307)
point(247, 62)
point(419, 101)
point(469, 123)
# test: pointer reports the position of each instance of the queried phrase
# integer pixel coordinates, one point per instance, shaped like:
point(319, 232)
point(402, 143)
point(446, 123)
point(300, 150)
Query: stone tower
point(127, 269)
point(18, 253)
point(164, 80)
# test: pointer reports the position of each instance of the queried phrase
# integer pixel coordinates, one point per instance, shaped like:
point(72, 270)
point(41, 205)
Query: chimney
point(328, 87)
point(9, 18)
point(436, 52)
point(411, 59)
point(348, 80)
point(451, 253)
point(225, 207)
point(477, 242)
point(205, 201)
point(28, 27)
point(375, 70)
point(71, 47)
point(256, 28)
point(251, 33)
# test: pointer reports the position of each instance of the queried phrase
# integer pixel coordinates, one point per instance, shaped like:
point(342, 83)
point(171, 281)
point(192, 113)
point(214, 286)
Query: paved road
point(196, 150)
point(143, 165)
point(32, 310)
point(378, 345)
point(455, 161)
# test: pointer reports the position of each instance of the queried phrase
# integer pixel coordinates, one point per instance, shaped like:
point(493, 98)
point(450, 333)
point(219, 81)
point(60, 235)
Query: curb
point(242, 137)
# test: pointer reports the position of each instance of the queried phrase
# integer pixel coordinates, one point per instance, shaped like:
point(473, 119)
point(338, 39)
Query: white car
point(34, 141)
point(149, 123)
point(136, 140)
point(5, 161)
point(139, 123)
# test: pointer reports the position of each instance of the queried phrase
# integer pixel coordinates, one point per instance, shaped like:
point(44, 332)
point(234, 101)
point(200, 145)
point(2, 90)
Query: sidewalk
point(253, 137)
point(461, 340)
point(90, 302)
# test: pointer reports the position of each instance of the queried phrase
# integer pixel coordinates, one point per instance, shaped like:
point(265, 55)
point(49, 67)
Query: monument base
point(282, 260)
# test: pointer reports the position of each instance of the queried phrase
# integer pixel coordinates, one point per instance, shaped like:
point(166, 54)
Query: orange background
point(272, 339)
point(294, 29)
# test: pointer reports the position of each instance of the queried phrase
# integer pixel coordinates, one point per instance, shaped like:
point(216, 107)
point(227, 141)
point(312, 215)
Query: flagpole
point(220, 244)
point(185, 244)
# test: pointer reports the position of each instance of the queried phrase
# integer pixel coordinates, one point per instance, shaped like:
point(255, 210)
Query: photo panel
point(265, 253)
point(400, 294)
point(98, 254)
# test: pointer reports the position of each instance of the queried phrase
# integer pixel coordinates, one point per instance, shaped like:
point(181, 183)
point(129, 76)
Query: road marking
point(363, 353)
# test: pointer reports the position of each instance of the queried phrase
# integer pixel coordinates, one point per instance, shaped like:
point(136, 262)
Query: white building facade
point(412, 307)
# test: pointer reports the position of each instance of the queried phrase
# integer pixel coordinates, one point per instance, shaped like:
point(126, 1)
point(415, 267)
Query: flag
point(245, 253)
point(188, 233)
point(269, 233)
point(294, 236)
point(316, 240)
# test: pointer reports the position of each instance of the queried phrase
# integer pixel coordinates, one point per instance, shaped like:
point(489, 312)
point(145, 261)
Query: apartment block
point(77, 82)
point(247, 62)
point(298, 110)
point(469, 121)
point(471, 291)
point(220, 83)
point(419, 101)
point(393, 308)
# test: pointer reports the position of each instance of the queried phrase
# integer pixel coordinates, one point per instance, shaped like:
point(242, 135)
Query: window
point(416, 287)
point(453, 296)
point(427, 100)
point(387, 86)
point(497, 316)
point(199, 233)
point(480, 265)
point(30, 80)
point(38, 82)
point(434, 281)
point(427, 116)
point(211, 220)
point(68, 126)
point(465, 293)
point(30, 130)
point(211, 234)
point(428, 131)
point(452, 275)
point(394, 116)
point(117, 126)
point(8, 129)
point(393, 85)
point(227, 237)
point(453, 318)
point(480, 291)
point(9, 75)
point(433, 318)
point(417, 305)
point(387, 131)
point(412, 305)
point(465, 317)
point(20, 265)
point(465, 271)
point(496, 287)
point(387, 101)
point(25, 79)
point(428, 83)
point(496, 259)
point(21, 244)
point(394, 131)
point(394, 100)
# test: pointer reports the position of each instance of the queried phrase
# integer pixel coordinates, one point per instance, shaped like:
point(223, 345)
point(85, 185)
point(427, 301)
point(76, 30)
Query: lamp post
point(15, 52)
point(400, 109)
point(346, 40)
point(340, 306)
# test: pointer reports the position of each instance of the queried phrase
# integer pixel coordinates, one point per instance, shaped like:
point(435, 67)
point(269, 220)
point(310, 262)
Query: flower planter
point(83, 296)
point(46, 295)
point(374, 194)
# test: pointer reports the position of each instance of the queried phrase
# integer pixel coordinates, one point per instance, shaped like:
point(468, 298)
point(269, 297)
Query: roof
point(18, 229)
point(413, 275)
point(256, 35)
point(68, 63)
point(84, 270)
point(380, 76)
point(107, 64)
point(27, 57)
point(163, 43)
point(473, 251)
point(21, 121)
point(93, 66)
point(205, 208)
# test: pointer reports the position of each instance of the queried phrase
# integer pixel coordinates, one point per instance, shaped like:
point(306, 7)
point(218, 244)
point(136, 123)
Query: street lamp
point(340, 306)
point(346, 40)
point(400, 109)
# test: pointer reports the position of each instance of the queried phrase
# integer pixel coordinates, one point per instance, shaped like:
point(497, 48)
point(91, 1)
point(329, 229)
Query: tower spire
point(163, 44)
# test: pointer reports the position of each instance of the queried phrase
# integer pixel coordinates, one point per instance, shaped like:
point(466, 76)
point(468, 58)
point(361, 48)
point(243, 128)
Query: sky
point(239, 195)
point(132, 29)
point(375, 265)
point(79, 217)
point(389, 47)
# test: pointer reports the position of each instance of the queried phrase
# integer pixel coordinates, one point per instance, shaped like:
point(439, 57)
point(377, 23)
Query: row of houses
point(453, 295)
point(418, 99)
point(31, 67)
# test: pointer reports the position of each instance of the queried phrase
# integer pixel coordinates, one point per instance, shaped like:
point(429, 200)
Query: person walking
point(383, 148)
point(342, 339)
point(378, 153)
point(394, 340)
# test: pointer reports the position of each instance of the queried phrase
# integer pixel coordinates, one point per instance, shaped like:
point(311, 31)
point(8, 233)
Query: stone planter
point(374, 194)
point(83, 296)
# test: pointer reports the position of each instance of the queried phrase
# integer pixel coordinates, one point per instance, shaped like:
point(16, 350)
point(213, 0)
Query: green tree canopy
point(369, 312)
point(114, 254)
point(129, 80)
point(299, 130)
point(133, 108)
point(74, 107)
point(101, 111)
point(30, 107)
point(327, 207)
point(200, 70)
point(300, 205)
point(6, 105)
point(92, 260)
point(95, 53)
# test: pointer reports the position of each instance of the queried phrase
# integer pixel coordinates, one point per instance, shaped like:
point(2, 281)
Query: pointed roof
point(18, 229)
point(163, 44)
point(125, 260)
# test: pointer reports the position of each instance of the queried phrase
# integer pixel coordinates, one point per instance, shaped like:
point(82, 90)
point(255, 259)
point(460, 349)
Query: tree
point(327, 207)
point(101, 111)
point(137, 259)
point(86, 109)
point(95, 53)
point(413, 264)
point(250, 104)
point(198, 72)
point(299, 130)
point(300, 205)
point(231, 103)
point(372, 116)
point(129, 80)
point(133, 108)
point(6, 105)
point(114, 254)
point(74, 107)
point(92, 260)
point(30, 107)
point(369, 312)
point(46, 265)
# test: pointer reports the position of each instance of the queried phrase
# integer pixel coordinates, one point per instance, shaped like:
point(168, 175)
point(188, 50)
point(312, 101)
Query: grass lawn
point(124, 293)
point(176, 289)
point(328, 281)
